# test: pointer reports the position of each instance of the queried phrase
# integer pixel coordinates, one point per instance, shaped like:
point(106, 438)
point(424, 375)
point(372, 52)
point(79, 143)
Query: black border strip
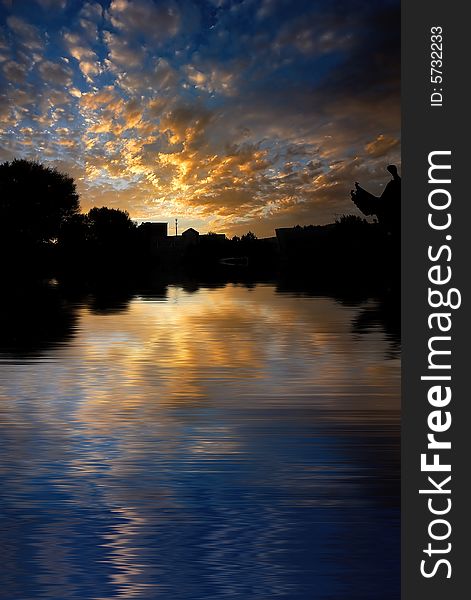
point(425, 129)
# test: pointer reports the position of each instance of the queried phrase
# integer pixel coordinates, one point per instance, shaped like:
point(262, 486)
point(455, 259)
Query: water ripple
point(227, 443)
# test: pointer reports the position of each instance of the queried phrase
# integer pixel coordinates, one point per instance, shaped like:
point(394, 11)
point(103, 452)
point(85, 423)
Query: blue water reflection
point(231, 442)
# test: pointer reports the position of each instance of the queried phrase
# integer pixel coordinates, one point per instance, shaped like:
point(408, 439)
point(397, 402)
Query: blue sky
point(228, 114)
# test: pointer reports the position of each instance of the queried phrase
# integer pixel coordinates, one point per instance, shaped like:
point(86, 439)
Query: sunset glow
point(228, 114)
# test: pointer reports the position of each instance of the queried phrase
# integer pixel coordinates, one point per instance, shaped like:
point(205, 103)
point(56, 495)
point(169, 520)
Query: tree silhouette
point(109, 225)
point(248, 237)
point(35, 203)
point(111, 234)
point(98, 243)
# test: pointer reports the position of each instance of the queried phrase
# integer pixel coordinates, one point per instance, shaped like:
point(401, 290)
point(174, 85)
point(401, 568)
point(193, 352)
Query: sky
point(230, 115)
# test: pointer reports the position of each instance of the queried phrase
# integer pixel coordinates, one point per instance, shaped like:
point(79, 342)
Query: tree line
point(43, 229)
point(42, 226)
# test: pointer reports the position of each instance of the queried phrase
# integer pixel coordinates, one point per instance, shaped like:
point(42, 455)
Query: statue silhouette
point(387, 208)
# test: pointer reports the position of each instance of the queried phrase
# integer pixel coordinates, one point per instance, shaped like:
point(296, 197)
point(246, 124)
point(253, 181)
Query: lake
point(199, 442)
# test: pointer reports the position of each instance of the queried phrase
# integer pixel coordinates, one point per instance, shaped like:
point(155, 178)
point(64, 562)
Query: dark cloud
point(25, 33)
point(145, 19)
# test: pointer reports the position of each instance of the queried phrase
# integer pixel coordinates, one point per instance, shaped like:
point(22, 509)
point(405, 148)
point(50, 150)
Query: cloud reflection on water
point(225, 443)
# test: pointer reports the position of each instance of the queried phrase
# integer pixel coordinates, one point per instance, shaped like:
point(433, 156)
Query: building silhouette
point(190, 237)
point(153, 236)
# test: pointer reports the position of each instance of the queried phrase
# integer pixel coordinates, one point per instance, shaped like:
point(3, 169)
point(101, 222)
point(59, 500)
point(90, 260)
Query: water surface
point(232, 442)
